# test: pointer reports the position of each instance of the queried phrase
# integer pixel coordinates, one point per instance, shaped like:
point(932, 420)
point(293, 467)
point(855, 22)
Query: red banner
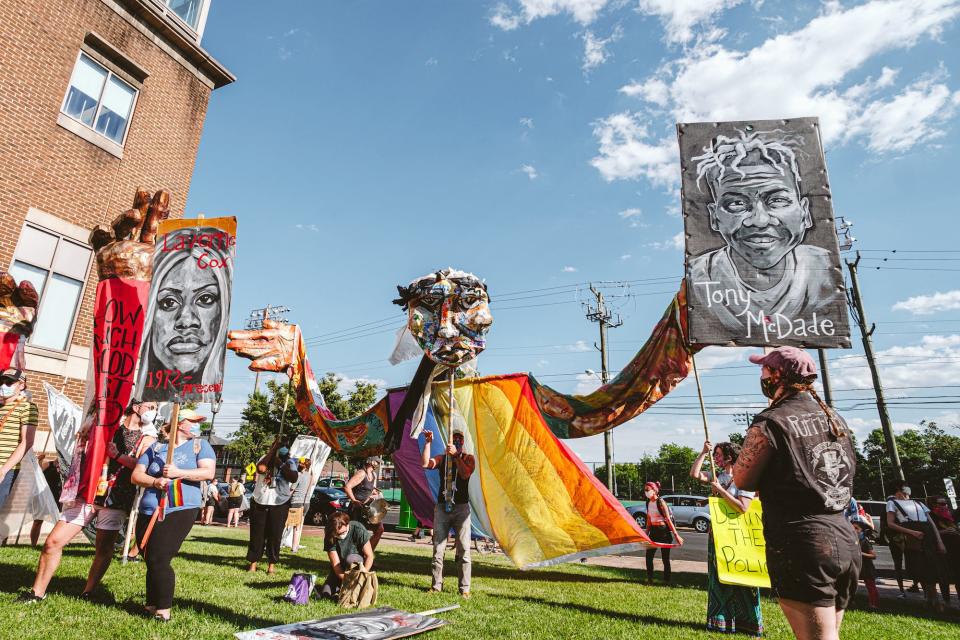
point(118, 317)
point(8, 348)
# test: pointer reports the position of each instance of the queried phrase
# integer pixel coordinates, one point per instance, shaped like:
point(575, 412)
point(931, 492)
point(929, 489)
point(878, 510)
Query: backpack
point(359, 588)
point(301, 586)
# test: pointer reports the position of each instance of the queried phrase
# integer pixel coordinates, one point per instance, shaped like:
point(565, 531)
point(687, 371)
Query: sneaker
point(432, 590)
point(29, 597)
point(465, 595)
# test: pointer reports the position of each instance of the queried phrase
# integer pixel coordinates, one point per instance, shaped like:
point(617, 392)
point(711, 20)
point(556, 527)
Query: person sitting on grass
point(346, 543)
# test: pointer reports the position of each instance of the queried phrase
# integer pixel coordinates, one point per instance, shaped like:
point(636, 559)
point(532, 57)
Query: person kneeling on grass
point(346, 543)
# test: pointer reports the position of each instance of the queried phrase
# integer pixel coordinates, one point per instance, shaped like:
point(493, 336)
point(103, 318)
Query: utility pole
point(865, 333)
point(825, 378)
point(255, 323)
point(602, 315)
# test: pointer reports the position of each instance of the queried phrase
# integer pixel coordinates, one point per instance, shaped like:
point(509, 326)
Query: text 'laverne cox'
point(222, 246)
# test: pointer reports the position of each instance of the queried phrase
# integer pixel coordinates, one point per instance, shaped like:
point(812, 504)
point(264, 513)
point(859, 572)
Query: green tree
point(928, 455)
point(260, 420)
point(670, 467)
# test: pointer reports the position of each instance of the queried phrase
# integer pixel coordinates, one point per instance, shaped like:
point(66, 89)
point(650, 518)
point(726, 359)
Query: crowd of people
point(797, 458)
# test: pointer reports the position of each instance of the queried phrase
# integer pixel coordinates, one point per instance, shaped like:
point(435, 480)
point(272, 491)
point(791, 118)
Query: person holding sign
point(730, 608)
point(276, 475)
point(174, 488)
point(660, 528)
point(798, 454)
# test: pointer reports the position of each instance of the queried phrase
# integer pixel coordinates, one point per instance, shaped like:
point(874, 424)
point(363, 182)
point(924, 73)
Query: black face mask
point(769, 387)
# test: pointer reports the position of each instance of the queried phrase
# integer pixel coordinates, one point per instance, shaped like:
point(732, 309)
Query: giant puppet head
point(448, 315)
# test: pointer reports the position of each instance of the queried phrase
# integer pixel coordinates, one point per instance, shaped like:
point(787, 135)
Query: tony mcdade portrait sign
point(762, 258)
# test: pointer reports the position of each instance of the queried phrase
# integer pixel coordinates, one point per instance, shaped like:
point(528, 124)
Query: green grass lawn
point(216, 597)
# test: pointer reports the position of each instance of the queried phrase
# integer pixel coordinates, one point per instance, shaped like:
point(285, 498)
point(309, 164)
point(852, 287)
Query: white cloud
point(929, 363)
point(626, 256)
point(579, 346)
point(431, 62)
point(628, 214)
point(675, 243)
point(569, 269)
point(627, 153)
point(800, 73)
point(914, 116)
point(308, 227)
point(526, 122)
point(927, 305)
point(680, 17)
point(530, 170)
point(346, 384)
point(595, 49)
point(507, 18)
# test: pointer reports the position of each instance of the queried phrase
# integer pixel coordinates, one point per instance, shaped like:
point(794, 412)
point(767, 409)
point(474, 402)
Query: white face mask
point(906, 491)
point(343, 536)
point(8, 390)
point(148, 416)
point(648, 493)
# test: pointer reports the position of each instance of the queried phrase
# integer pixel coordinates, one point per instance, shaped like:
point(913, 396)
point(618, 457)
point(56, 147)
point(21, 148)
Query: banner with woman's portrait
point(762, 257)
point(185, 333)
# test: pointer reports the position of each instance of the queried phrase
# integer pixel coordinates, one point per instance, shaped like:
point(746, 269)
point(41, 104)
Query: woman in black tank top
point(361, 489)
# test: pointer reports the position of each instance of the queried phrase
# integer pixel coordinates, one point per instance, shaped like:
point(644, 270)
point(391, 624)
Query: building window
point(99, 99)
point(57, 267)
point(187, 10)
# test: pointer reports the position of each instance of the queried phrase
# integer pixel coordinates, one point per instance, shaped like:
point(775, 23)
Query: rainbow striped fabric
point(529, 490)
point(174, 494)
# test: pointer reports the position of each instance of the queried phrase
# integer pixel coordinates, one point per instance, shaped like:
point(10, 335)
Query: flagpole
point(703, 413)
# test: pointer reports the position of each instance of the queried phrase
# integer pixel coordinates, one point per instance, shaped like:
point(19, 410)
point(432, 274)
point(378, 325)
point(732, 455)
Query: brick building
point(97, 98)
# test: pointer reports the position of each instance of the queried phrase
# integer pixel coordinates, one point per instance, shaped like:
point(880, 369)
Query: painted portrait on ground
point(762, 256)
point(185, 333)
point(382, 623)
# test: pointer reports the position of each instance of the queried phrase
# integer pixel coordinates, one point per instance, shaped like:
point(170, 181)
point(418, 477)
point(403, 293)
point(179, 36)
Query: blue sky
point(532, 142)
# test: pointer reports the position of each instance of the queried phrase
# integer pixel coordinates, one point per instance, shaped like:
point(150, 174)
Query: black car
point(325, 501)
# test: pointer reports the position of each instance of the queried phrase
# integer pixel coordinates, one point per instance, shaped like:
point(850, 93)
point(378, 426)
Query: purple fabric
point(406, 459)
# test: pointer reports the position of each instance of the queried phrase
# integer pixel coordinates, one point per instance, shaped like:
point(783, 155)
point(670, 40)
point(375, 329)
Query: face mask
point(768, 387)
point(343, 536)
point(8, 390)
point(906, 491)
point(148, 417)
point(648, 493)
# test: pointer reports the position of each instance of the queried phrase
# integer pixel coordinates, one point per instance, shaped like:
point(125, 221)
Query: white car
point(691, 511)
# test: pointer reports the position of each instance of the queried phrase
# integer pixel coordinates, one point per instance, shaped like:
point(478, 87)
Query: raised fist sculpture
point(127, 251)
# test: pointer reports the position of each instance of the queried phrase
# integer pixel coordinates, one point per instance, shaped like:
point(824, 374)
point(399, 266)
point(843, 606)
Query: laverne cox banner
point(188, 310)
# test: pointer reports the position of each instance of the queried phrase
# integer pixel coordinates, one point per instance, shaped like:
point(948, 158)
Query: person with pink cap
point(799, 455)
point(660, 528)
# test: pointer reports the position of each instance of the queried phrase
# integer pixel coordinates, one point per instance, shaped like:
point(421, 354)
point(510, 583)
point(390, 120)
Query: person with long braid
point(798, 454)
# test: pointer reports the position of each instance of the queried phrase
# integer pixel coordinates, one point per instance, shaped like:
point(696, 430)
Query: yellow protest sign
point(739, 545)
point(250, 469)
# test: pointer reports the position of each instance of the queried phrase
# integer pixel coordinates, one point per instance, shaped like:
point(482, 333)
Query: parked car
point(336, 483)
point(690, 511)
point(878, 513)
point(326, 501)
point(221, 509)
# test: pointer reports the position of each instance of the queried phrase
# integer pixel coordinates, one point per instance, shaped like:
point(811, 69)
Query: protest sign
point(188, 311)
point(739, 544)
point(762, 256)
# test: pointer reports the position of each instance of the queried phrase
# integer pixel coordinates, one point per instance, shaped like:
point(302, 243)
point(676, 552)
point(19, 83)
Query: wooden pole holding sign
point(703, 414)
point(171, 447)
point(450, 468)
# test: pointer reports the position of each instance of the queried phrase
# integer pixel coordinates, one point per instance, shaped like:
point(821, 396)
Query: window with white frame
point(191, 12)
point(99, 99)
point(57, 267)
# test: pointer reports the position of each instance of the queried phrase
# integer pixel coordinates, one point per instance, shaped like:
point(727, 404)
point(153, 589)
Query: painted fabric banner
point(739, 544)
point(762, 256)
point(64, 418)
point(117, 329)
point(188, 313)
point(382, 623)
point(534, 495)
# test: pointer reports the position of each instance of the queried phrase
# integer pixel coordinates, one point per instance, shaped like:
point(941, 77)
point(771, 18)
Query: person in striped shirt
point(18, 426)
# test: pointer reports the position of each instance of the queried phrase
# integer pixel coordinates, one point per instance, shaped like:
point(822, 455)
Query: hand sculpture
point(18, 305)
point(273, 348)
point(127, 252)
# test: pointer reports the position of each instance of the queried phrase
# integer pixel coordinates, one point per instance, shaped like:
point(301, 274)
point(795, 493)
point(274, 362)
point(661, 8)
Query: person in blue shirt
point(193, 462)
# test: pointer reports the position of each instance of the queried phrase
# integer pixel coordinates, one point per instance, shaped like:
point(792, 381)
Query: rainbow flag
point(174, 494)
point(532, 493)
